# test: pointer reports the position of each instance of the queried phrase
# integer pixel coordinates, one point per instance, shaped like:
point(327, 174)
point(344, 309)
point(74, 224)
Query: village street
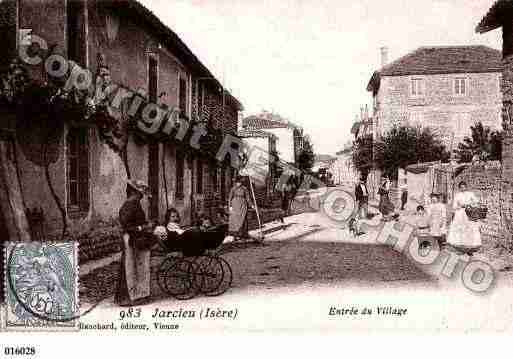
point(305, 271)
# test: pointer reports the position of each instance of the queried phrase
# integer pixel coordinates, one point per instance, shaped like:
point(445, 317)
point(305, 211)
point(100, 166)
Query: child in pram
point(193, 241)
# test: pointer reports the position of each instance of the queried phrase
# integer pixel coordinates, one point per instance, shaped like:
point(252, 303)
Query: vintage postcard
point(186, 167)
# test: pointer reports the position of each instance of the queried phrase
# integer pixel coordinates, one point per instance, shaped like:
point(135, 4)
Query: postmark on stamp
point(41, 286)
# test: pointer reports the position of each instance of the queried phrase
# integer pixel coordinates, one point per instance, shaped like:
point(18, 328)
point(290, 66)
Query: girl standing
point(438, 218)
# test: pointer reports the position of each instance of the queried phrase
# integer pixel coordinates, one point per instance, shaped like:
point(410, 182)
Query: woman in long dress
point(464, 234)
point(285, 201)
point(238, 203)
point(386, 207)
point(134, 278)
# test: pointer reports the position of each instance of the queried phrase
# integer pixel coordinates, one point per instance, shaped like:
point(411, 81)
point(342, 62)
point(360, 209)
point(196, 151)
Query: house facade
point(342, 168)
point(260, 166)
point(77, 175)
point(447, 89)
point(289, 137)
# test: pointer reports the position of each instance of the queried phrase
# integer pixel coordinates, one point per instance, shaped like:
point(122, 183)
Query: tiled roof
point(258, 122)
point(255, 133)
point(441, 60)
point(500, 12)
point(446, 59)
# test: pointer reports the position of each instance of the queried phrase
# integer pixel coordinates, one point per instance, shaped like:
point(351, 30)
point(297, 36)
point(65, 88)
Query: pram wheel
point(227, 279)
point(209, 273)
point(176, 276)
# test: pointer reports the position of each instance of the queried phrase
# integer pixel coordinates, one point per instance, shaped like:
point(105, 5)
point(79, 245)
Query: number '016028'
point(14, 351)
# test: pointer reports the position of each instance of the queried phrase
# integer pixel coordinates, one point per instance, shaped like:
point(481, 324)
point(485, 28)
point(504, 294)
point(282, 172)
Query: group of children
point(173, 227)
point(431, 222)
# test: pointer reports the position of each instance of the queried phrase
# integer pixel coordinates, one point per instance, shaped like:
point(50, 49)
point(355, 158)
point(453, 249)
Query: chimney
point(384, 55)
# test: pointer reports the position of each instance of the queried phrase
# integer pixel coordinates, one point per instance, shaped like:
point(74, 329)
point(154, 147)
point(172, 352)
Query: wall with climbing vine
point(118, 45)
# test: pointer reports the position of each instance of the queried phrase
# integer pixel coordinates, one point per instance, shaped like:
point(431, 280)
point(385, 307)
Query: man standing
point(404, 194)
point(362, 197)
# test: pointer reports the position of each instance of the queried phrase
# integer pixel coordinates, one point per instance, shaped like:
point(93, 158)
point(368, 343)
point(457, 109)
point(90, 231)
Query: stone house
point(446, 88)
point(500, 15)
point(83, 185)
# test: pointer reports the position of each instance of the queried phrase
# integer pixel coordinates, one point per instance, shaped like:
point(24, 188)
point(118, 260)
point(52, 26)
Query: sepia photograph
point(204, 167)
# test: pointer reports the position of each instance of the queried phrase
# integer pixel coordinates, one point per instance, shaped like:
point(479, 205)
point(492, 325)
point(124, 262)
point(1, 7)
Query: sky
point(310, 60)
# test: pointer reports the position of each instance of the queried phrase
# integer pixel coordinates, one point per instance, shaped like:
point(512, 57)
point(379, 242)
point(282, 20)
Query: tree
point(306, 158)
point(362, 154)
point(484, 143)
point(405, 145)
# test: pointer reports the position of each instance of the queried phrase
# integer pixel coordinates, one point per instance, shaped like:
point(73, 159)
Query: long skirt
point(238, 222)
point(386, 206)
point(134, 278)
point(464, 233)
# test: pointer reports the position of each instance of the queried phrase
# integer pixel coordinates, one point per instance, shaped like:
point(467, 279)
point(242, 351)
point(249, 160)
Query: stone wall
point(439, 108)
point(507, 145)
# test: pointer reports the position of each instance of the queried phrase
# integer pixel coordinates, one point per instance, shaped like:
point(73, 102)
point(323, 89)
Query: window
point(179, 174)
point(417, 87)
point(461, 123)
point(214, 178)
point(199, 176)
point(76, 32)
point(460, 86)
point(200, 99)
point(416, 119)
point(223, 184)
point(78, 170)
point(152, 78)
point(182, 96)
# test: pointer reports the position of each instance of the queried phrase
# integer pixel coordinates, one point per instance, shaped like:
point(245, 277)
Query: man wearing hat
point(134, 278)
point(362, 198)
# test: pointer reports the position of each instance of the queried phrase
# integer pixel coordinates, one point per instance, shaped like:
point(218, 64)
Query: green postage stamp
point(41, 286)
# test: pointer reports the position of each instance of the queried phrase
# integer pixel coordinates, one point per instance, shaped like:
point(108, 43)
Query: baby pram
point(194, 241)
point(192, 263)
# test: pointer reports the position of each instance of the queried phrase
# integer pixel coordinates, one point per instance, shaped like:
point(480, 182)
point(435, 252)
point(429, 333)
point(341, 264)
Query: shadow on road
point(295, 262)
point(288, 263)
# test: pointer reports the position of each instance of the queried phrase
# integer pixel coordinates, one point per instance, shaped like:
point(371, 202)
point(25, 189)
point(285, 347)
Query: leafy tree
point(305, 162)
point(362, 154)
point(484, 143)
point(405, 145)
point(306, 157)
